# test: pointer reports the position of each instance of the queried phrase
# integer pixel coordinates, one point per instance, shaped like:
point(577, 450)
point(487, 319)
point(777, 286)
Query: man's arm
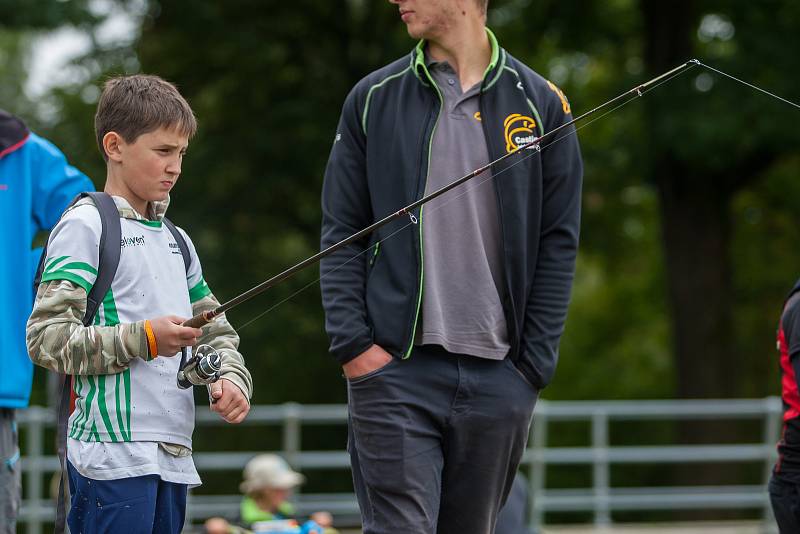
point(346, 209)
point(790, 321)
point(546, 310)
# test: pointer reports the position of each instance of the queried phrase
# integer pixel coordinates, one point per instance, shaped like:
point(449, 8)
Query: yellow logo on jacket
point(519, 129)
point(564, 102)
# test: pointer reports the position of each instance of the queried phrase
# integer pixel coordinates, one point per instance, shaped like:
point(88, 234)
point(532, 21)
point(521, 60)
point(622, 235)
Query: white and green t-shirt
point(142, 403)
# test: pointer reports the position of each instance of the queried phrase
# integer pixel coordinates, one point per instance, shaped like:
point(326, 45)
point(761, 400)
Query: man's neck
point(467, 49)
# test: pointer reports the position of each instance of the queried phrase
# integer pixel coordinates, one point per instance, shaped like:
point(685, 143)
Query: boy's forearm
point(220, 334)
point(57, 339)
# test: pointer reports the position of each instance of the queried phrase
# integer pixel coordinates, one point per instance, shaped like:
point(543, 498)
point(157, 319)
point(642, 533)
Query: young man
point(784, 486)
point(36, 184)
point(449, 327)
point(130, 434)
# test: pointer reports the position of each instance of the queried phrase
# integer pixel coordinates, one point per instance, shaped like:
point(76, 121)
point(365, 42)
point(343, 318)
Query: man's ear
point(112, 145)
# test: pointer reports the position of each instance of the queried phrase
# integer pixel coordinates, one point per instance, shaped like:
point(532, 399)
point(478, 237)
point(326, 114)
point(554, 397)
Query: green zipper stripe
point(199, 291)
point(538, 118)
point(101, 402)
point(369, 96)
point(499, 71)
point(375, 253)
point(421, 209)
point(495, 51)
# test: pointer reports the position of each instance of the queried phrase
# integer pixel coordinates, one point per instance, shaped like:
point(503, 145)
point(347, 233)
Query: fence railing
point(601, 498)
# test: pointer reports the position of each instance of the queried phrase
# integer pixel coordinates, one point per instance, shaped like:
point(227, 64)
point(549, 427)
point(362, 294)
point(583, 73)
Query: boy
point(129, 436)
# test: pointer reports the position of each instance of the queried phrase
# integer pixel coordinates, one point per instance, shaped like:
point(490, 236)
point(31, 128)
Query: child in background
point(268, 484)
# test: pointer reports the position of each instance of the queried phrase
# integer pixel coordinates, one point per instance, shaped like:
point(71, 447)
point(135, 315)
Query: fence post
point(772, 422)
point(538, 467)
point(33, 484)
point(602, 517)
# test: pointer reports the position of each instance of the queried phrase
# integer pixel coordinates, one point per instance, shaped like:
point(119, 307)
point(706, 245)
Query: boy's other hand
point(171, 336)
point(229, 401)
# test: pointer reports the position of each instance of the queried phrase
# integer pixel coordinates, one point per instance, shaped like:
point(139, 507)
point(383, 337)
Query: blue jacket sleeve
point(55, 182)
point(562, 175)
point(346, 209)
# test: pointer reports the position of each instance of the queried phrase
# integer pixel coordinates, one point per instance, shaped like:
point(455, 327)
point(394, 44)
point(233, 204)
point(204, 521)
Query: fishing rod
point(204, 318)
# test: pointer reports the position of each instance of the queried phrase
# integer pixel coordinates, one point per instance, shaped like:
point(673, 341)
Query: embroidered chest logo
point(133, 241)
point(174, 248)
point(519, 129)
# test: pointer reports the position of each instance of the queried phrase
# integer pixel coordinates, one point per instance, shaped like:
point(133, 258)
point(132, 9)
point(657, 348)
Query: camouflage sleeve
point(57, 339)
point(220, 334)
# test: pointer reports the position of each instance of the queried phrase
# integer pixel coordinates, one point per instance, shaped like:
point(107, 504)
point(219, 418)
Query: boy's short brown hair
point(139, 104)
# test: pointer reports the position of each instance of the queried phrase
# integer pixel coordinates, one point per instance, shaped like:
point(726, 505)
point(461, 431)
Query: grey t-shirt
point(462, 248)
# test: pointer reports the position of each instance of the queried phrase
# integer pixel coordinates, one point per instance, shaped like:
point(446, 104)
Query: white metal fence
point(601, 498)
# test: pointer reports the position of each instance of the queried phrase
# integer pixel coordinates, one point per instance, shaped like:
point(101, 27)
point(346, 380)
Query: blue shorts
point(132, 505)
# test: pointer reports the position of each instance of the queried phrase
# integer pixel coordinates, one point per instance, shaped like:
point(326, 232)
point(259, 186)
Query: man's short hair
point(135, 105)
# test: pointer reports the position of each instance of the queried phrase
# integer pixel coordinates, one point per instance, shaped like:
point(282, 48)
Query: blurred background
point(690, 221)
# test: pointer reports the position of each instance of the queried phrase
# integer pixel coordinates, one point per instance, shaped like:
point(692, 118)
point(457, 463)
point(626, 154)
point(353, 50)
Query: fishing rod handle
point(201, 319)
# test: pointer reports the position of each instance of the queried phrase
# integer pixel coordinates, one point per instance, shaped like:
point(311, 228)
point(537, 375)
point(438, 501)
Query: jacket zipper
point(421, 253)
point(508, 309)
point(375, 254)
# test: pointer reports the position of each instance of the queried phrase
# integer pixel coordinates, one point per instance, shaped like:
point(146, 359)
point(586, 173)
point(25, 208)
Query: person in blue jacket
point(36, 184)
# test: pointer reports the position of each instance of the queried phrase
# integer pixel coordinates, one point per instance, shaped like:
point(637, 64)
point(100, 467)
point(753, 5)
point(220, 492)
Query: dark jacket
point(371, 290)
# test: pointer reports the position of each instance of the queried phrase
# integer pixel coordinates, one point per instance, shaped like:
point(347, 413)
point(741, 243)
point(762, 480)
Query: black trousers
point(435, 441)
point(785, 499)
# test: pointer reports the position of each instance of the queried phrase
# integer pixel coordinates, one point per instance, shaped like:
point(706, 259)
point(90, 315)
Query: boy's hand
point(171, 336)
point(229, 401)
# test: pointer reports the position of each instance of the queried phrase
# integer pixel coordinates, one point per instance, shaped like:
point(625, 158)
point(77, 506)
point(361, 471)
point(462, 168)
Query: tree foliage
point(267, 81)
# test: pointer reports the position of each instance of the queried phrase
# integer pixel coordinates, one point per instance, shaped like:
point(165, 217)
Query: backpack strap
point(109, 252)
point(184, 248)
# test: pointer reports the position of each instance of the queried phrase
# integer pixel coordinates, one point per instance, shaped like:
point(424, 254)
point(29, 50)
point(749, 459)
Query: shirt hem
point(489, 353)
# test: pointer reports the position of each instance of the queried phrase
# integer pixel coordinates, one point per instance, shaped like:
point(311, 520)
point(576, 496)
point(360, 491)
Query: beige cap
point(269, 471)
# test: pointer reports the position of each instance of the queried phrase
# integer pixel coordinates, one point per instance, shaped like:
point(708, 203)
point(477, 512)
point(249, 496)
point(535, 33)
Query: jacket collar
point(13, 133)
point(493, 70)
point(155, 210)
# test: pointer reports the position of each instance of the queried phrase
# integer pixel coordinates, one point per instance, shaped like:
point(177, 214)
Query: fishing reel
point(202, 369)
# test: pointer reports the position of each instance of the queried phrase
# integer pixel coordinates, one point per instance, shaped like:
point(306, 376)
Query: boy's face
point(150, 165)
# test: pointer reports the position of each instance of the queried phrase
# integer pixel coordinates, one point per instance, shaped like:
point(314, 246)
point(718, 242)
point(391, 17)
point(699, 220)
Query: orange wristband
point(151, 340)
